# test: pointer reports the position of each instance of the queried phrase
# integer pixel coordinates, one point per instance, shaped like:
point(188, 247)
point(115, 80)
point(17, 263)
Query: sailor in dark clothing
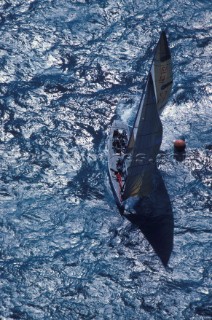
point(123, 144)
point(115, 133)
point(119, 165)
point(119, 140)
point(124, 134)
point(117, 145)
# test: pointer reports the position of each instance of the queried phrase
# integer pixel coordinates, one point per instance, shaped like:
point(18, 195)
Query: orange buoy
point(179, 145)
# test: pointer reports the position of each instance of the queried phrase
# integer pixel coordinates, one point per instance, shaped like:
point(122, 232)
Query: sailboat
point(134, 177)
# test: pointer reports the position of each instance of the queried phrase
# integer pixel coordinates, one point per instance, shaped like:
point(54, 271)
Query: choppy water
point(66, 68)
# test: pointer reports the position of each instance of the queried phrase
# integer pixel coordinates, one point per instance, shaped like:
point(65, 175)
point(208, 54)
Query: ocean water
point(66, 69)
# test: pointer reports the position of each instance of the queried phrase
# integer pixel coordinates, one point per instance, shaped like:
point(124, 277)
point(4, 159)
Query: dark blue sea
point(67, 68)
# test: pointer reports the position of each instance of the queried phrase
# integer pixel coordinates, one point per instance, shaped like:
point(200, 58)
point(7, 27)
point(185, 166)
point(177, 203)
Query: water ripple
point(66, 69)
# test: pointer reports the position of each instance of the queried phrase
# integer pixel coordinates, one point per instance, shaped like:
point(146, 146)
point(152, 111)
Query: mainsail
point(161, 71)
point(144, 145)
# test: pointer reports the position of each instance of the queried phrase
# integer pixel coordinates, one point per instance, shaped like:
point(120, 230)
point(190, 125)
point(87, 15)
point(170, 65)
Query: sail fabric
point(161, 71)
point(146, 140)
point(162, 76)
